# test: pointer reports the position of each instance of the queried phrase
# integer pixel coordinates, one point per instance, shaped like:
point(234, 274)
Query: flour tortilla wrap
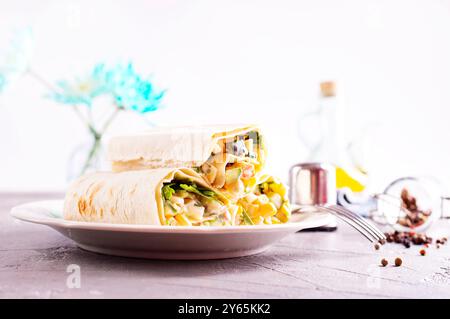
point(187, 146)
point(132, 197)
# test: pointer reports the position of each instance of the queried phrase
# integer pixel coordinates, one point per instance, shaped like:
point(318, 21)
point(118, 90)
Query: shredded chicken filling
point(186, 204)
point(233, 164)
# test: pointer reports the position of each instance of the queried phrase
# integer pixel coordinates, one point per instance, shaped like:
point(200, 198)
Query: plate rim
point(22, 212)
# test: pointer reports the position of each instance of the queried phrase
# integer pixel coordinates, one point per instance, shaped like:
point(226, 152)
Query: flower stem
point(53, 89)
point(41, 80)
point(110, 120)
point(87, 120)
point(93, 151)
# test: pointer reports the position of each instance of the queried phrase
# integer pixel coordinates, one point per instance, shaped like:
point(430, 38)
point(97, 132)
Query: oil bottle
point(322, 132)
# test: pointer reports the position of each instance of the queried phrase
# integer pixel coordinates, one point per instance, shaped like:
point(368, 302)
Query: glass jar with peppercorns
point(421, 201)
point(408, 203)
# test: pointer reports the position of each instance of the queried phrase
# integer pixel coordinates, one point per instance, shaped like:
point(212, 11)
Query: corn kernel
point(250, 183)
point(253, 210)
point(284, 213)
point(276, 199)
point(258, 220)
point(267, 210)
point(275, 220)
point(183, 220)
point(278, 188)
point(250, 198)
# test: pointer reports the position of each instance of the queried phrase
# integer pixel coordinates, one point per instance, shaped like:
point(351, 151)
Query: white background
point(240, 61)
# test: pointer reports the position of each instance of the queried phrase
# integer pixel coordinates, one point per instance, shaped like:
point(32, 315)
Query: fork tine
point(361, 221)
point(361, 229)
point(357, 225)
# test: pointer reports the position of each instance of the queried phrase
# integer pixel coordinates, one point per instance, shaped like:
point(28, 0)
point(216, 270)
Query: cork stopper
point(328, 89)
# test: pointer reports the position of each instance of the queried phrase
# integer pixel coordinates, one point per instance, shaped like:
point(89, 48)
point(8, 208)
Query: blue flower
point(128, 89)
point(14, 61)
point(131, 91)
point(79, 90)
point(141, 98)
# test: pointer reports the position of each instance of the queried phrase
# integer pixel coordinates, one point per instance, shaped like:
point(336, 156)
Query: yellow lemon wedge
point(344, 179)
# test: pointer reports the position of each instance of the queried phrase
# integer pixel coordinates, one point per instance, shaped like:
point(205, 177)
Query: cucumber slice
point(246, 218)
point(232, 175)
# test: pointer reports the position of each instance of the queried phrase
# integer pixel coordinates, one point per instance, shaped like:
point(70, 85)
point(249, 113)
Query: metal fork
point(363, 226)
point(313, 185)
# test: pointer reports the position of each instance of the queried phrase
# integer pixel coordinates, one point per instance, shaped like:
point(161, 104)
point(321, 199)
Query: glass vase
point(86, 157)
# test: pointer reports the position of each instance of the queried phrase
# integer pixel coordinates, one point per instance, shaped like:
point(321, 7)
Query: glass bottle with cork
point(321, 131)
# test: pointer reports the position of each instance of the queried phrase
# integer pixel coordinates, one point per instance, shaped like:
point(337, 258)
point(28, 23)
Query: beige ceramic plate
point(165, 242)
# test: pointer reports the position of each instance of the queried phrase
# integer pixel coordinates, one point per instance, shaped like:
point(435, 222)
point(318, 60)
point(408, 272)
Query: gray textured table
point(341, 264)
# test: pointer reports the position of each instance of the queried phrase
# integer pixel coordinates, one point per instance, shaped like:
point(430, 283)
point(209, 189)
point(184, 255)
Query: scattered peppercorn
point(408, 238)
point(384, 262)
point(423, 252)
point(398, 262)
point(382, 241)
point(438, 246)
point(377, 246)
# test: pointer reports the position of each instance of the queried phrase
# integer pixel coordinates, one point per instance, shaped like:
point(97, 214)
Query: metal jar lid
point(312, 184)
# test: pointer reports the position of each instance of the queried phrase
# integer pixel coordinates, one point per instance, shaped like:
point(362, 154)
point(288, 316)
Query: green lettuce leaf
point(168, 191)
point(170, 188)
point(199, 191)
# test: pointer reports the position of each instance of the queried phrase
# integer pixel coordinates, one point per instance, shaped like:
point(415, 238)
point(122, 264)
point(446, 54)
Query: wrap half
point(162, 196)
point(229, 158)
